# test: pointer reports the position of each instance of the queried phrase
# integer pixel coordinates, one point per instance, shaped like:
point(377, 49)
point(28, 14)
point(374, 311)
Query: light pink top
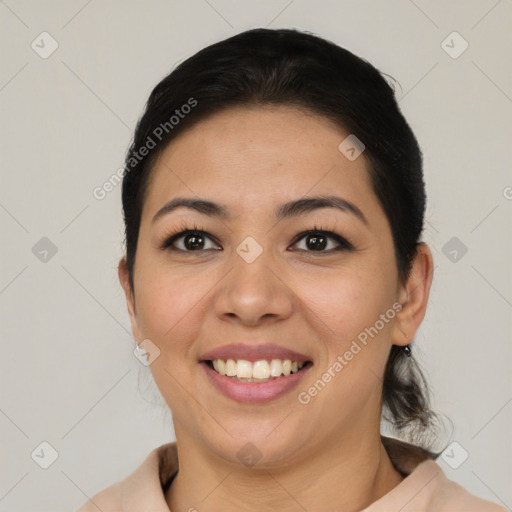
point(424, 489)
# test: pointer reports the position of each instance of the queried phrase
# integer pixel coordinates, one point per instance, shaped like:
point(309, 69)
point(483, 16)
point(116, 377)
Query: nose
point(254, 292)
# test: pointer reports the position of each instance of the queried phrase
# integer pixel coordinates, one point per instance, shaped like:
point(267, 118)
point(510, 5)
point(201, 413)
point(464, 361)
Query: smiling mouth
point(258, 371)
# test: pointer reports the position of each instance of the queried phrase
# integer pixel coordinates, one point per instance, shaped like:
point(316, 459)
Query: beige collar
point(144, 488)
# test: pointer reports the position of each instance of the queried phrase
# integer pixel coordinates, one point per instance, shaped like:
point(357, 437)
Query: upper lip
point(253, 353)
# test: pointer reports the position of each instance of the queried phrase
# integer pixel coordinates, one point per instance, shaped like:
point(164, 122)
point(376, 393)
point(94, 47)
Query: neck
point(348, 474)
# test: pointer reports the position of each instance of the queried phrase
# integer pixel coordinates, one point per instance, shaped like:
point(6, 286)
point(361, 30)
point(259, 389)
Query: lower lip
point(254, 392)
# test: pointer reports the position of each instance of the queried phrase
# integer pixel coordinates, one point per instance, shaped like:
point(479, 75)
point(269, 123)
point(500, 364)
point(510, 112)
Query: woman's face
point(251, 281)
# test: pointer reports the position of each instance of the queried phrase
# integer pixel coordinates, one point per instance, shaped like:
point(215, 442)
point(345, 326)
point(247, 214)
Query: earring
point(407, 348)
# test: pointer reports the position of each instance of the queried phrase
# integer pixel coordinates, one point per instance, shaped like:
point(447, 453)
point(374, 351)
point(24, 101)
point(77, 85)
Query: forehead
point(258, 157)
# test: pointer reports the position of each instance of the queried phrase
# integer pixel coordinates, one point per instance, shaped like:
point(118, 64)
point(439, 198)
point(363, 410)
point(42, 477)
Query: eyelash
point(184, 229)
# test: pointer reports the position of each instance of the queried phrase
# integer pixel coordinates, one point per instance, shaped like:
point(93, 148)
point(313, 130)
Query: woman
point(274, 275)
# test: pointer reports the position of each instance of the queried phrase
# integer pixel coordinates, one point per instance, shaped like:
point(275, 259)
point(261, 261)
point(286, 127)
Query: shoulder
point(143, 488)
point(452, 497)
point(108, 500)
point(426, 486)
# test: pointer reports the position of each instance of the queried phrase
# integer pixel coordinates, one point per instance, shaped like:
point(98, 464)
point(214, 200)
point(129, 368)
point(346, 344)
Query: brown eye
point(318, 241)
point(189, 241)
point(314, 241)
point(193, 241)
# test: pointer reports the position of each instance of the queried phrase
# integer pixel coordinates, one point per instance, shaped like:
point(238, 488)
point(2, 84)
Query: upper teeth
point(257, 370)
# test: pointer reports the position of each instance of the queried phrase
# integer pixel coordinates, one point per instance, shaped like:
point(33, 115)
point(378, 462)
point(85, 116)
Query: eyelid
point(343, 243)
point(166, 241)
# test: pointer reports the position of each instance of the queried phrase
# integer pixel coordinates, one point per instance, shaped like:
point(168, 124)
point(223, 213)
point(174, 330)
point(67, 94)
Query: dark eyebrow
point(286, 210)
point(200, 205)
point(308, 204)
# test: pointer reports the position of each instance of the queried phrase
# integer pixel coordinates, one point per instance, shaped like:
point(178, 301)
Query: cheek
point(347, 301)
point(346, 311)
point(169, 307)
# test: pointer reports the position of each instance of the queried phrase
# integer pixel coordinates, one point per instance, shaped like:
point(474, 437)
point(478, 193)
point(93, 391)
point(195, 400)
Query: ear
point(122, 271)
point(413, 296)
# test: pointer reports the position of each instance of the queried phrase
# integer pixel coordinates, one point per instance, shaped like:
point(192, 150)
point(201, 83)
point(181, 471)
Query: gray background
point(68, 374)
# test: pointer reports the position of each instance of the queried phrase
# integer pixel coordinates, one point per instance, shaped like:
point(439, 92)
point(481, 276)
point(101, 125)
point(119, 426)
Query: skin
point(326, 455)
